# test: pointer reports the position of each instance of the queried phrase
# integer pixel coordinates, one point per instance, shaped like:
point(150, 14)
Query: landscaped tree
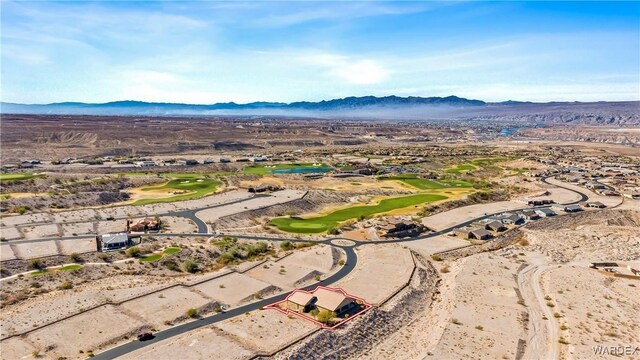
point(192, 313)
point(326, 316)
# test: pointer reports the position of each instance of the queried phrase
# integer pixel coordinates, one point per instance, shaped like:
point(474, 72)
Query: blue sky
point(207, 52)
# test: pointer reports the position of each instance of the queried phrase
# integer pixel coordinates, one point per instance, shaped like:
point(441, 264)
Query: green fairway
point(427, 184)
point(194, 185)
point(19, 176)
point(151, 258)
point(286, 169)
point(70, 267)
point(323, 223)
point(172, 250)
point(460, 168)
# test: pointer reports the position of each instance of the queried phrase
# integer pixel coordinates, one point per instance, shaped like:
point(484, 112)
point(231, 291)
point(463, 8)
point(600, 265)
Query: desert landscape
point(263, 180)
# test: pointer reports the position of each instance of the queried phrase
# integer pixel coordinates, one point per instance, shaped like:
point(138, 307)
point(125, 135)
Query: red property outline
point(275, 306)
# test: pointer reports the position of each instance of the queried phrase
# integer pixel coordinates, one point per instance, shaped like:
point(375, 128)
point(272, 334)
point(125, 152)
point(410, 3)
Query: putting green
point(323, 223)
point(302, 225)
point(460, 168)
point(195, 186)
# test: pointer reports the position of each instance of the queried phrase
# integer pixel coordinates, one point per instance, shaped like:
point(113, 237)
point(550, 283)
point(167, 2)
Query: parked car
point(145, 336)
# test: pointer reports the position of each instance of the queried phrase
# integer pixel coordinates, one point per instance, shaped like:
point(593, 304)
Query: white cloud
point(349, 69)
point(361, 72)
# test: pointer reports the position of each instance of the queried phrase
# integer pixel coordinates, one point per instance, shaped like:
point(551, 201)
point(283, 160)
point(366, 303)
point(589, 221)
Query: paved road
point(583, 196)
point(124, 349)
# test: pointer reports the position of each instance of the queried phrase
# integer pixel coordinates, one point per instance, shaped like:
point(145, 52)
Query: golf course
point(458, 169)
point(188, 186)
point(323, 223)
point(286, 169)
point(427, 184)
point(19, 176)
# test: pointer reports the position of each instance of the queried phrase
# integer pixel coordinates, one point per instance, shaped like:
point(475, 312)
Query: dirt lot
point(437, 244)
point(484, 312)
point(585, 235)
point(233, 289)
point(604, 313)
point(166, 306)
point(197, 344)
point(73, 335)
point(381, 270)
point(176, 224)
point(275, 198)
point(265, 331)
point(459, 215)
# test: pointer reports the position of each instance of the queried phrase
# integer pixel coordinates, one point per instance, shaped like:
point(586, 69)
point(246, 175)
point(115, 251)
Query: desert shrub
point(192, 312)
point(191, 266)
point(66, 285)
point(104, 257)
point(287, 245)
point(171, 265)
point(456, 321)
point(75, 257)
point(36, 264)
point(333, 231)
point(436, 258)
point(133, 251)
point(480, 327)
point(341, 262)
point(226, 258)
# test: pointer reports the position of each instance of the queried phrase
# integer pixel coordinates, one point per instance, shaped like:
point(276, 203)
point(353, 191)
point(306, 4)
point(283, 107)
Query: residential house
point(511, 219)
point(327, 299)
point(545, 212)
point(595, 204)
point(144, 225)
point(109, 242)
point(399, 228)
point(495, 226)
point(480, 234)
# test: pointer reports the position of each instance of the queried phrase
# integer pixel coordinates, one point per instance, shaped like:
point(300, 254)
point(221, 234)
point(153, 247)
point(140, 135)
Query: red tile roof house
point(303, 303)
point(146, 224)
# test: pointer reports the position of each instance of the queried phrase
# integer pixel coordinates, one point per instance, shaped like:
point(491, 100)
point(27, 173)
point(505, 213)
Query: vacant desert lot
point(73, 335)
point(165, 306)
point(278, 197)
point(381, 270)
point(436, 244)
point(485, 318)
point(197, 344)
point(459, 215)
point(233, 289)
point(264, 331)
point(604, 313)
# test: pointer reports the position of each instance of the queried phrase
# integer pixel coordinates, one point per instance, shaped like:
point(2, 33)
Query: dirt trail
point(543, 334)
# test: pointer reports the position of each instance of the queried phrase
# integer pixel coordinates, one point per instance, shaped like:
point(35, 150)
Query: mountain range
point(366, 107)
point(129, 107)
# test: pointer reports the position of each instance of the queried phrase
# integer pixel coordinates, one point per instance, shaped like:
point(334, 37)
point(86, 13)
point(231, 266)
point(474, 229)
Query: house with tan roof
point(333, 300)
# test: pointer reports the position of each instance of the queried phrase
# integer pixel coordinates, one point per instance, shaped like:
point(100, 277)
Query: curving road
point(124, 349)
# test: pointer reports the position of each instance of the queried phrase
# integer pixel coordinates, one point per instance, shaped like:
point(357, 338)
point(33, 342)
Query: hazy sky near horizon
point(207, 52)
